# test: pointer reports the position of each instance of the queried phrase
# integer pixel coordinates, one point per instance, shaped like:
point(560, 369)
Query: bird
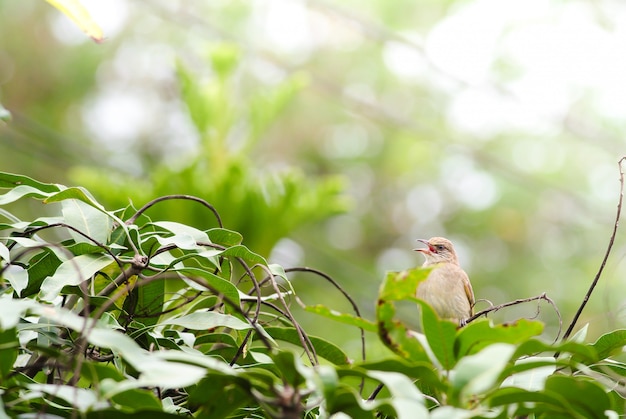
point(447, 288)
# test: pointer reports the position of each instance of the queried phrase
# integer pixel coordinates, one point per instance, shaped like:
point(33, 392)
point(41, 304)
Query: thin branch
point(493, 308)
point(570, 328)
point(143, 209)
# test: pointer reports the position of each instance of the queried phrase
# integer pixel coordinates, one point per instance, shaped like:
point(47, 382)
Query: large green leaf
point(395, 334)
point(73, 272)
point(477, 335)
point(323, 348)
point(406, 399)
point(586, 396)
point(440, 335)
point(204, 320)
point(610, 343)
point(86, 219)
point(476, 374)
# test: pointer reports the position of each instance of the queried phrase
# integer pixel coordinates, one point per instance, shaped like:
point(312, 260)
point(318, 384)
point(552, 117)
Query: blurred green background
point(333, 134)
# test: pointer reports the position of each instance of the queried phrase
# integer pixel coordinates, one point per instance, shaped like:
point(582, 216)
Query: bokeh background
point(333, 134)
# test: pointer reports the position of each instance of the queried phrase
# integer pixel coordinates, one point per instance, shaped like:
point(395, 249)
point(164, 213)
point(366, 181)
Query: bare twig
point(542, 296)
point(570, 328)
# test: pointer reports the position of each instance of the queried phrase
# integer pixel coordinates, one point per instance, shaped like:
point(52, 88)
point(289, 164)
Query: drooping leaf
point(17, 277)
point(342, 317)
point(440, 335)
point(10, 180)
point(22, 191)
point(610, 343)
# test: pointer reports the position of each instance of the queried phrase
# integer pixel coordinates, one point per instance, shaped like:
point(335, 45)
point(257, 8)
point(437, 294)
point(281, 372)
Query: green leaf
point(402, 285)
point(182, 230)
point(86, 219)
point(17, 277)
point(345, 318)
point(476, 374)
point(549, 403)
point(579, 351)
point(83, 195)
point(10, 180)
point(9, 346)
point(531, 373)
point(204, 320)
point(394, 333)
point(150, 299)
point(136, 399)
point(216, 283)
point(440, 335)
point(21, 191)
point(40, 267)
point(224, 237)
point(4, 253)
point(423, 372)
point(406, 399)
point(218, 395)
point(73, 272)
point(586, 396)
point(479, 334)
point(323, 348)
point(238, 251)
point(610, 343)
point(79, 398)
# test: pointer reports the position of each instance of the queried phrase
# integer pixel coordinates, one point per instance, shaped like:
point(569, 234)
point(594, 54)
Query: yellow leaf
point(80, 16)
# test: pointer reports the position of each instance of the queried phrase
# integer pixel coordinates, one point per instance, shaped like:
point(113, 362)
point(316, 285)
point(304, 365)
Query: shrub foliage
point(112, 314)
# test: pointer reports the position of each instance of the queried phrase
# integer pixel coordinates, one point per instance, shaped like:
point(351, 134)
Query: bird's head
point(439, 250)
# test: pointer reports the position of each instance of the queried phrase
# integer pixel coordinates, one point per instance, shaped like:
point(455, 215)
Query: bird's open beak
point(427, 250)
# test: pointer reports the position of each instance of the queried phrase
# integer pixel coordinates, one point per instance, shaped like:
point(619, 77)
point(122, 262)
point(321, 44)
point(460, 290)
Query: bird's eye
point(440, 247)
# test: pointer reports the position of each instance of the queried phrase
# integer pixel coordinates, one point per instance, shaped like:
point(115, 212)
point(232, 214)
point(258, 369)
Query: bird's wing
point(469, 292)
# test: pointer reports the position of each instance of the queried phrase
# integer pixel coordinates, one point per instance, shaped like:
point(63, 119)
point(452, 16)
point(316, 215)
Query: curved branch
point(143, 209)
point(342, 291)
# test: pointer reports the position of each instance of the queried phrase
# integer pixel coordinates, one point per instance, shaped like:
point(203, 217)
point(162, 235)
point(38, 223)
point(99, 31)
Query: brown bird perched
point(447, 288)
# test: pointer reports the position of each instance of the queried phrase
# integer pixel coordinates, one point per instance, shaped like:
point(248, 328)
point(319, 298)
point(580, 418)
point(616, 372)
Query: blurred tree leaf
point(80, 16)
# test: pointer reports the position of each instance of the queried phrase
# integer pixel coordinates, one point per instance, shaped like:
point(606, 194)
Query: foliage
point(108, 313)
point(222, 171)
